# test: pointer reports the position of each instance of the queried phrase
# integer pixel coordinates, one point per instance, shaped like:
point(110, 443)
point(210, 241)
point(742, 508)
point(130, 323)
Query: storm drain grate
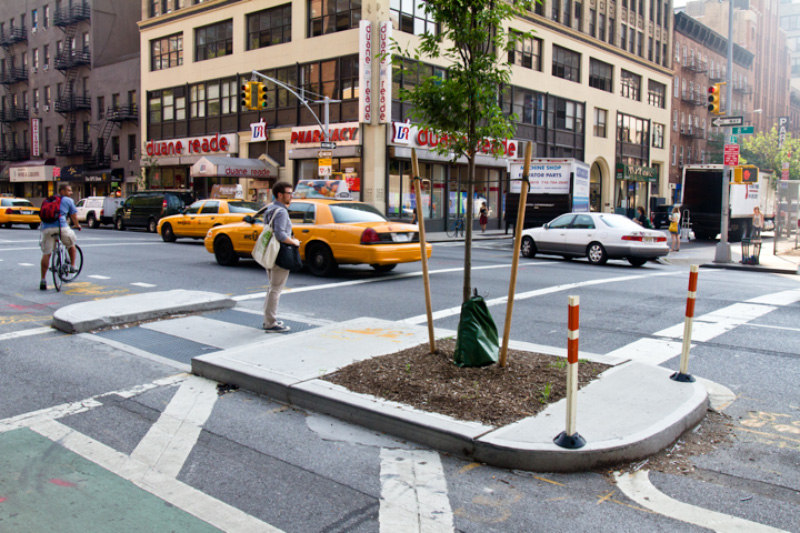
point(255, 321)
point(158, 343)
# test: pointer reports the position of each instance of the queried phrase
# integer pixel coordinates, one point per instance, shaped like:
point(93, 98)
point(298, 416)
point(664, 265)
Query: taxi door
point(206, 219)
point(183, 223)
point(303, 217)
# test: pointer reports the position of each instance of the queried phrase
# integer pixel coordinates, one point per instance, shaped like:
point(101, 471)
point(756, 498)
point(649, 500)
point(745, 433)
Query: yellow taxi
point(331, 233)
point(202, 215)
point(18, 211)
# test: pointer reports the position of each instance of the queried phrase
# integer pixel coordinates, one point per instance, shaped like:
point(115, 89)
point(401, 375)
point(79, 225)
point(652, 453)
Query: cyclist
point(62, 229)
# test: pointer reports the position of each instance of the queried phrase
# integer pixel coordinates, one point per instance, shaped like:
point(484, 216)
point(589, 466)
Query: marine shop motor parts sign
point(208, 144)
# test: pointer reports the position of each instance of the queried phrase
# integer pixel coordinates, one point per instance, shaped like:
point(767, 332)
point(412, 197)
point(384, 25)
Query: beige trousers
point(277, 279)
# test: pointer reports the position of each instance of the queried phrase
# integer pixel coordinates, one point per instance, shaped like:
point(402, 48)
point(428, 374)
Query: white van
point(96, 210)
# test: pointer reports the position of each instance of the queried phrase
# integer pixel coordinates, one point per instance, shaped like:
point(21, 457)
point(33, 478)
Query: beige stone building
point(593, 84)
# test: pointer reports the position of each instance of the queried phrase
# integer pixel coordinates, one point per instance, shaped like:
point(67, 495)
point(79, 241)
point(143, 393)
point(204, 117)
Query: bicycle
point(60, 264)
point(455, 227)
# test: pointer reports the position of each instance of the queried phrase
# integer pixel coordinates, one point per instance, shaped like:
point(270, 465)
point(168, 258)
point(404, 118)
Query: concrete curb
point(94, 315)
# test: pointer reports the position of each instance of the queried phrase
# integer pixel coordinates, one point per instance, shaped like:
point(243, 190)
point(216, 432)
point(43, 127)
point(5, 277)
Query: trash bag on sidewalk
point(477, 343)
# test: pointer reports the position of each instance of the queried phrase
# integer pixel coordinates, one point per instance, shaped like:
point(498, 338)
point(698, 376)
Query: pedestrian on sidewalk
point(60, 227)
point(484, 217)
point(278, 213)
point(675, 230)
point(641, 218)
point(758, 223)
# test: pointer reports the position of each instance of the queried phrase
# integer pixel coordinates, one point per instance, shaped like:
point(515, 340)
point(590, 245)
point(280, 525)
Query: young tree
point(464, 106)
point(762, 150)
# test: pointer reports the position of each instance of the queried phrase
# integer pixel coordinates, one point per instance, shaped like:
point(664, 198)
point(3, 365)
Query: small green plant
point(583, 361)
point(408, 368)
point(559, 363)
point(545, 394)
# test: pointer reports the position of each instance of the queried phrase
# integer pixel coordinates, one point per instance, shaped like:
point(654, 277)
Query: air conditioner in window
point(33, 30)
point(115, 157)
point(34, 70)
point(46, 66)
point(46, 108)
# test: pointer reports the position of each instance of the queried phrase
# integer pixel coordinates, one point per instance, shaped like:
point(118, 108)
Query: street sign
point(327, 145)
point(731, 155)
point(324, 154)
point(734, 139)
point(728, 121)
point(742, 130)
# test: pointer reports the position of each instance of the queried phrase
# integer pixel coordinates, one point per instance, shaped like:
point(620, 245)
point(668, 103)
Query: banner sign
point(385, 78)
point(365, 71)
point(35, 148)
point(553, 176)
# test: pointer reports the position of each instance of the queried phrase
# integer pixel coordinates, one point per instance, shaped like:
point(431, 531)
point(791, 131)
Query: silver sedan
point(596, 236)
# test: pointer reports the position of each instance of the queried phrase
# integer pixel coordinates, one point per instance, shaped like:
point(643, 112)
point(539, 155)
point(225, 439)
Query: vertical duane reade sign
point(365, 68)
point(385, 78)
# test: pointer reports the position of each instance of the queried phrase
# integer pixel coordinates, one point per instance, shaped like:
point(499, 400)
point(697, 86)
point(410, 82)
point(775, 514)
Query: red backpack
point(51, 209)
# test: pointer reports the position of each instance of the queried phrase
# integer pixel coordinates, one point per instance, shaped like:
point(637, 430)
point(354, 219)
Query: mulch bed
point(491, 395)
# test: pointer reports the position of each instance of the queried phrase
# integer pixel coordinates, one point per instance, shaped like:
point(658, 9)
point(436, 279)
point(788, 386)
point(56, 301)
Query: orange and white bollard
point(570, 438)
point(683, 374)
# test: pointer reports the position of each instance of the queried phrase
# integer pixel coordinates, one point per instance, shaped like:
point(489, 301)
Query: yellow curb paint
point(606, 497)
point(468, 467)
point(549, 481)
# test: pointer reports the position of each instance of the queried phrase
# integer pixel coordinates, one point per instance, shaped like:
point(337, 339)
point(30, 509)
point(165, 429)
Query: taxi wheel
point(223, 251)
point(167, 234)
point(34, 226)
point(384, 268)
point(596, 254)
point(320, 260)
point(152, 226)
point(7, 226)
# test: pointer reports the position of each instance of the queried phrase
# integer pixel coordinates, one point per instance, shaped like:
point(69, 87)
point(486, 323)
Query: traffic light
point(745, 174)
point(250, 95)
point(261, 99)
point(714, 94)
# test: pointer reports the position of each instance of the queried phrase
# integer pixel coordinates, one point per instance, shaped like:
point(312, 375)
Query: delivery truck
point(701, 200)
point(557, 186)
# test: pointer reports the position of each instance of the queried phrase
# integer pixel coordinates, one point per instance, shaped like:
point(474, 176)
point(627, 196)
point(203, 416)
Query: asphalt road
point(80, 419)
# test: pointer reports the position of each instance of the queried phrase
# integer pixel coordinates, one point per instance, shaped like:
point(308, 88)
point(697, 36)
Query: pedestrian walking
point(278, 213)
point(675, 230)
point(757, 224)
point(641, 218)
point(484, 217)
point(60, 227)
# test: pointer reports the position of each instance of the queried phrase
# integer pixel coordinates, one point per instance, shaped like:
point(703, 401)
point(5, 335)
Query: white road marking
point(444, 313)
point(257, 295)
point(652, 351)
point(145, 285)
point(71, 408)
point(208, 331)
point(206, 508)
point(637, 487)
point(413, 493)
point(98, 276)
point(25, 333)
point(713, 324)
point(772, 327)
point(25, 264)
point(171, 439)
point(777, 298)
point(84, 246)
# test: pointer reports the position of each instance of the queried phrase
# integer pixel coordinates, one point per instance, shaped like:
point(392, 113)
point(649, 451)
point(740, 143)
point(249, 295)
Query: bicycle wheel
point(461, 226)
point(450, 228)
point(78, 266)
point(55, 266)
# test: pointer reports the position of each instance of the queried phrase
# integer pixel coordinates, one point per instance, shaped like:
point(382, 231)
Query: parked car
point(145, 208)
point(330, 233)
point(659, 216)
point(596, 236)
point(198, 218)
point(18, 211)
point(96, 210)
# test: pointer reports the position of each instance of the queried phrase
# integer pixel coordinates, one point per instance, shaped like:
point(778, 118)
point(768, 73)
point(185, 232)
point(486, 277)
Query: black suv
point(144, 209)
point(659, 216)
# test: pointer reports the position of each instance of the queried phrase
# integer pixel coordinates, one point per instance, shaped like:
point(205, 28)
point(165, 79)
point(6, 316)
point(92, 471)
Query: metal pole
point(723, 251)
point(327, 129)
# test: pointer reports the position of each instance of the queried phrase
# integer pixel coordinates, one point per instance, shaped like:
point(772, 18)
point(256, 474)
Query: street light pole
point(723, 251)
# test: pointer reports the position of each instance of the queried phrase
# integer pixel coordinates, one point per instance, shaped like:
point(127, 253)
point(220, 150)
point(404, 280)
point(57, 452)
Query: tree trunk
point(468, 223)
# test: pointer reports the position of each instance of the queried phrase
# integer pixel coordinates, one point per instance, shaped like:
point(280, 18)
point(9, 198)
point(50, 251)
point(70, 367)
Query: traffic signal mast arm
point(325, 127)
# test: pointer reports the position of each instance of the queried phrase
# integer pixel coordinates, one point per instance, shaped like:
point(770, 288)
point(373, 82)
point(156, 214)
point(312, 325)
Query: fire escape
point(69, 61)
point(12, 112)
point(115, 116)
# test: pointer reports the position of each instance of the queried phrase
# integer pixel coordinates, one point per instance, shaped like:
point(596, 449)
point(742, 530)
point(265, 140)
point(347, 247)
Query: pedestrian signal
point(745, 174)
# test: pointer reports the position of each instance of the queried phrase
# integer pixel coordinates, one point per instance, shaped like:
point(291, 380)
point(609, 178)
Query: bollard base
point(571, 442)
point(682, 378)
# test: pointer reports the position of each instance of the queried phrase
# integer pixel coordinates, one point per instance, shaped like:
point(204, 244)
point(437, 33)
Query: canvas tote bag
point(266, 249)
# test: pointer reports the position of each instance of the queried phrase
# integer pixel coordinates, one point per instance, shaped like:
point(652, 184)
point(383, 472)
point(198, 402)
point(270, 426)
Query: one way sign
point(728, 121)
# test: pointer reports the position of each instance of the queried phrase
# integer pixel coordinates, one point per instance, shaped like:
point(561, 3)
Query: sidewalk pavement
point(632, 411)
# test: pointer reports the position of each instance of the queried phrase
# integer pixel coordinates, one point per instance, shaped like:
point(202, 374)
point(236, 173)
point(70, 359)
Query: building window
point(631, 85)
point(529, 107)
point(46, 17)
point(566, 64)
point(556, 10)
point(35, 58)
point(330, 16)
point(527, 52)
point(36, 99)
point(611, 30)
point(35, 19)
point(649, 48)
point(623, 36)
point(410, 16)
point(131, 147)
point(115, 146)
point(47, 138)
point(213, 41)
point(569, 115)
point(631, 39)
point(592, 22)
point(600, 122)
point(101, 107)
point(675, 120)
point(46, 56)
point(268, 27)
point(320, 78)
point(166, 52)
point(601, 75)
point(658, 135)
point(656, 94)
point(601, 27)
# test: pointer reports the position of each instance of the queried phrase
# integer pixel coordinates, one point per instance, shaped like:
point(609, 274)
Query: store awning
point(636, 173)
point(234, 167)
point(34, 170)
